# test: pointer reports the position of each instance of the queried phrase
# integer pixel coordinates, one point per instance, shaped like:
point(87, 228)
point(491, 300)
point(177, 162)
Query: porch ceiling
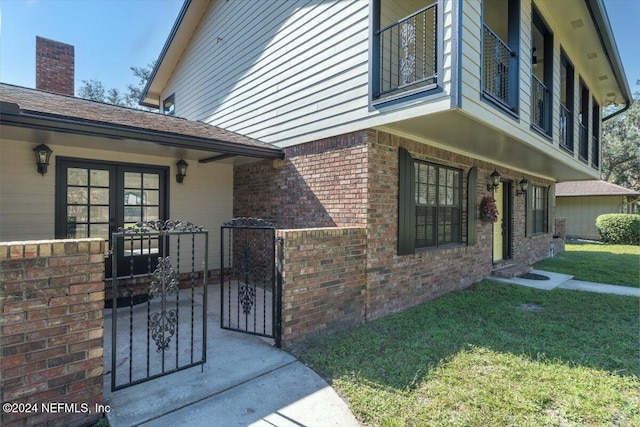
point(456, 131)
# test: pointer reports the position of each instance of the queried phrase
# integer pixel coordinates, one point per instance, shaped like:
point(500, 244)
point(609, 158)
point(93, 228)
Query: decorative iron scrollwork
point(163, 327)
point(248, 222)
point(246, 292)
point(247, 297)
point(163, 324)
point(408, 61)
point(165, 279)
point(161, 226)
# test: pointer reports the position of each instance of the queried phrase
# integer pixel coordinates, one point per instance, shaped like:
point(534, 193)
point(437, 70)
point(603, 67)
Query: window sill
point(409, 95)
point(501, 106)
point(542, 132)
point(437, 248)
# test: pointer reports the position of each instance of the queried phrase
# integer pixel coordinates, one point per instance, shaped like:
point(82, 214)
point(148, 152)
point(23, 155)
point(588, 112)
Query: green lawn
point(612, 264)
point(496, 354)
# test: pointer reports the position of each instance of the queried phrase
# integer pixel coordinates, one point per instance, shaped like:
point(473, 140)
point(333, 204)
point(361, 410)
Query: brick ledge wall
point(51, 328)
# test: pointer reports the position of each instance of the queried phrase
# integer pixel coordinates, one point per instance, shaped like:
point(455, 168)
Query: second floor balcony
point(405, 52)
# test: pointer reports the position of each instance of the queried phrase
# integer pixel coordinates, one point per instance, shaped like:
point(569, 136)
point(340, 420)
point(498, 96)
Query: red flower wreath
point(488, 210)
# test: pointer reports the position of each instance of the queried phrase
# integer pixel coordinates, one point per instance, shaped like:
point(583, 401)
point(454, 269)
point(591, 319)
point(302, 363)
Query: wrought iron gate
point(251, 280)
point(159, 315)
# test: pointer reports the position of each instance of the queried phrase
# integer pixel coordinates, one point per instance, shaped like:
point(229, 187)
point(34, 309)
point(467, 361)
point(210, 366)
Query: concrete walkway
point(565, 281)
point(245, 382)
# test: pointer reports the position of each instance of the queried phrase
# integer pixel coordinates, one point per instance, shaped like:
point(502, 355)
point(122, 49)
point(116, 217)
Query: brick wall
point(396, 283)
point(352, 180)
point(322, 184)
point(55, 66)
point(51, 302)
point(323, 281)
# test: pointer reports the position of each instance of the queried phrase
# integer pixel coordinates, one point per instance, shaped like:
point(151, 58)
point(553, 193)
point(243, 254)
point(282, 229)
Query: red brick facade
point(352, 180)
point(324, 280)
point(52, 296)
point(55, 66)
point(322, 184)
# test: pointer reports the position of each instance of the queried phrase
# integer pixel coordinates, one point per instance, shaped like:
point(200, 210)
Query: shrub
point(619, 228)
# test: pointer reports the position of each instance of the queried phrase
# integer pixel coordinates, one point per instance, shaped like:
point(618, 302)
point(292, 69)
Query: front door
point(498, 229)
point(94, 199)
point(502, 227)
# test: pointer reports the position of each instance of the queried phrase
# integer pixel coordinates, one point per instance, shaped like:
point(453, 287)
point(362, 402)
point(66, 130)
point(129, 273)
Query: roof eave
point(190, 15)
point(110, 130)
point(603, 27)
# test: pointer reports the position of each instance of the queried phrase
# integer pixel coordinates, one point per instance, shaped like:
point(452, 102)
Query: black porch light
point(182, 170)
point(524, 186)
point(494, 181)
point(43, 154)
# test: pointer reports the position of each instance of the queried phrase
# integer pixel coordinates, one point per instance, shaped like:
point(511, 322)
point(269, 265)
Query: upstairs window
point(566, 103)
point(542, 74)
point(583, 122)
point(405, 48)
point(169, 105)
point(595, 135)
point(501, 42)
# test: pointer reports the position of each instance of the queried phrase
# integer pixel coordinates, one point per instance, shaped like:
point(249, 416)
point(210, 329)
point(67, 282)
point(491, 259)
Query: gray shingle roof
point(592, 188)
point(47, 104)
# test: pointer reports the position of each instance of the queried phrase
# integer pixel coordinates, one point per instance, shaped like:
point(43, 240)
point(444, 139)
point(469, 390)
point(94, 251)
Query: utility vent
point(577, 24)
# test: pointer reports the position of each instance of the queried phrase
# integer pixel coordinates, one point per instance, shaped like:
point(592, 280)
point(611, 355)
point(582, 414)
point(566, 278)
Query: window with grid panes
point(539, 209)
point(438, 205)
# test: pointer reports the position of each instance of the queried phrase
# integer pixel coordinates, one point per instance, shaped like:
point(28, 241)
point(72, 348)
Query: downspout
point(615, 113)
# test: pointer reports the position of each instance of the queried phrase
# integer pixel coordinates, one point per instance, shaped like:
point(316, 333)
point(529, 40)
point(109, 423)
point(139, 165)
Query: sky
point(112, 35)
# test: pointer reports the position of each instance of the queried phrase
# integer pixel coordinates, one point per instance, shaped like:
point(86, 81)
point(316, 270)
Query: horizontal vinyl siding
point(27, 199)
point(485, 111)
point(288, 72)
point(296, 65)
point(581, 213)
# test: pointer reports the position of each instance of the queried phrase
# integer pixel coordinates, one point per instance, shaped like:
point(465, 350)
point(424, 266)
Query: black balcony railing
point(497, 69)
point(539, 105)
point(408, 53)
point(566, 128)
point(595, 152)
point(583, 146)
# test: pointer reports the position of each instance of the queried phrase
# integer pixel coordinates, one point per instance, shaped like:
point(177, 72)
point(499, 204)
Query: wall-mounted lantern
point(524, 186)
point(43, 154)
point(182, 170)
point(494, 181)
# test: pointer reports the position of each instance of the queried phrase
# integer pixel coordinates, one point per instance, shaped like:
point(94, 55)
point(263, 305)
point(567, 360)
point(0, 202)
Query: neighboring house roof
point(24, 107)
point(592, 188)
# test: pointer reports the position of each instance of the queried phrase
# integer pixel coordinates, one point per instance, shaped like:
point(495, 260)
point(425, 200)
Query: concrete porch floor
point(245, 381)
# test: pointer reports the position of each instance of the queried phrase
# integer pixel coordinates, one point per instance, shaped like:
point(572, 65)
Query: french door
point(93, 199)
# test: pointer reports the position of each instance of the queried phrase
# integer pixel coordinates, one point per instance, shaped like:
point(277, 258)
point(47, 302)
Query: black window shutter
point(550, 214)
point(472, 206)
point(529, 212)
point(406, 203)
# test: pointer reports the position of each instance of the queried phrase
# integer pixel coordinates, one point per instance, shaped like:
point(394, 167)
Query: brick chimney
point(55, 66)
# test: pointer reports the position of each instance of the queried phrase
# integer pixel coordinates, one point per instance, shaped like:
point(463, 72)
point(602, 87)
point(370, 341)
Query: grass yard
point(612, 264)
point(496, 354)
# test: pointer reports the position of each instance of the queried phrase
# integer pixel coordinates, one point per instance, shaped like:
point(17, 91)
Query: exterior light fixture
point(494, 181)
point(524, 186)
point(43, 154)
point(182, 170)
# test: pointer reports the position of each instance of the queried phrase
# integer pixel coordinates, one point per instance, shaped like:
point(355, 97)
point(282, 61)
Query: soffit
point(457, 132)
point(585, 43)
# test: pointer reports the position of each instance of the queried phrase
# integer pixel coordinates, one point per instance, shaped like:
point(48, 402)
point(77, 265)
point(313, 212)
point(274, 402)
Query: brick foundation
point(52, 296)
